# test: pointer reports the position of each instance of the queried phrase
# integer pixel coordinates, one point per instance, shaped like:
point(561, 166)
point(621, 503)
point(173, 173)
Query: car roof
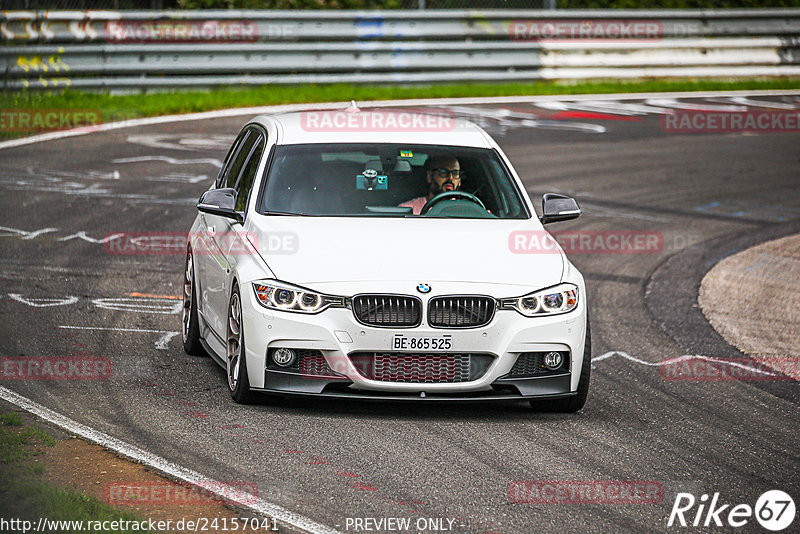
point(353, 125)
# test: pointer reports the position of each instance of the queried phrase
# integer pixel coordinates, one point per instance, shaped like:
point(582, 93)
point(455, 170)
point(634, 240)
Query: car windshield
point(390, 180)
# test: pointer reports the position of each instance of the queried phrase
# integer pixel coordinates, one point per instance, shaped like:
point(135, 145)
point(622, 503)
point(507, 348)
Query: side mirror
point(558, 208)
point(221, 202)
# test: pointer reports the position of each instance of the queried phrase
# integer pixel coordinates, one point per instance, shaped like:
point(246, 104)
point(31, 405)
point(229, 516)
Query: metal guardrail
point(138, 50)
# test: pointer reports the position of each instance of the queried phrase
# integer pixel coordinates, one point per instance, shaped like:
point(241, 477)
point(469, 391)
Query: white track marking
point(507, 118)
point(601, 211)
point(113, 175)
point(93, 191)
point(692, 106)
point(166, 141)
point(55, 173)
point(43, 302)
point(176, 177)
point(162, 306)
point(116, 329)
point(82, 235)
point(744, 101)
point(614, 108)
point(99, 175)
point(63, 182)
point(57, 185)
point(163, 342)
point(237, 112)
point(171, 161)
point(563, 125)
point(26, 235)
point(173, 470)
point(146, 305)
point(627, 356)
point(207, 142)
point(77, 235)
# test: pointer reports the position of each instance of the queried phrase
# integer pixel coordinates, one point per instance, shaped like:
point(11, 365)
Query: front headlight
point(562, 298)
point(286, 297)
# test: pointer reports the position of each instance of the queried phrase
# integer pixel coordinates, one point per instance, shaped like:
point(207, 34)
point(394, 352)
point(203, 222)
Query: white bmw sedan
point(383, 255)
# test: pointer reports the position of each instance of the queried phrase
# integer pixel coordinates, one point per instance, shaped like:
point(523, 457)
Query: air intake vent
point(387, 310)
point(460, 311)
point(421, 368)
point(308, 363)
point(530, 364)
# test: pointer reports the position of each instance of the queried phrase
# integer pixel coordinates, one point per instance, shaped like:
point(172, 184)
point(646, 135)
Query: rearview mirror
point(557, 207)
point(221, 202)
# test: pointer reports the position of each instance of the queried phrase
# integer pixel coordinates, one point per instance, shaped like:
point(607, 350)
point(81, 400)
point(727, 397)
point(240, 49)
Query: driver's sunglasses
point(444, 173)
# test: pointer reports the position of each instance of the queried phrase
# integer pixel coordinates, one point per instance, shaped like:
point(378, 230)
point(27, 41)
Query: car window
point(245, 183)
point(232, 173)
point(377, 179)
point(223, 172)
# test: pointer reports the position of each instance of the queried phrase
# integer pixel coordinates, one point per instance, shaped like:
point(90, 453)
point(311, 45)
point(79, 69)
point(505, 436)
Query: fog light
point(553, 360)
point(283, 357)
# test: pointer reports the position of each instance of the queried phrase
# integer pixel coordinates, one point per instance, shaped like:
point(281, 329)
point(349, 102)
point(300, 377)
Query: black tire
point(236, 369)
point(576, 402)
point(190, 327)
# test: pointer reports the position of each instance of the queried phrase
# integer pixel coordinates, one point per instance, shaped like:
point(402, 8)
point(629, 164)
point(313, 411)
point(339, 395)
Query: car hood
point(329, 252)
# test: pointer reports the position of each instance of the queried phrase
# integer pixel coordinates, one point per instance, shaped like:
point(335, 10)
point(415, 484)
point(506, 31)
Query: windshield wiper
point(283, 213)
point(389, 210)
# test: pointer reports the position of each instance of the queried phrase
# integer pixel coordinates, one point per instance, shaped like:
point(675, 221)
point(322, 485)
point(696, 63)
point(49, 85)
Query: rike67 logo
point(774, 510)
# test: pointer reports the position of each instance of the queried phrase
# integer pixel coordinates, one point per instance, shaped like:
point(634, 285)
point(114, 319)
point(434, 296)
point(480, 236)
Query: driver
point(444, 174)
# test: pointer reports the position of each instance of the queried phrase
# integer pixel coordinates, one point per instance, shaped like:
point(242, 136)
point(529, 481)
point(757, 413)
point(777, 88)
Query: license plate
point(426, 343)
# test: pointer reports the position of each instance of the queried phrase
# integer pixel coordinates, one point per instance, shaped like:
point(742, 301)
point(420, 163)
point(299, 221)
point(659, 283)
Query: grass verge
point(23, 493)
point(125, 106)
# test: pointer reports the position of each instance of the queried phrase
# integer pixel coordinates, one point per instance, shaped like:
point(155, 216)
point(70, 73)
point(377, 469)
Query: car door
point(227, 233)
point(236, 245)
point(211, 252)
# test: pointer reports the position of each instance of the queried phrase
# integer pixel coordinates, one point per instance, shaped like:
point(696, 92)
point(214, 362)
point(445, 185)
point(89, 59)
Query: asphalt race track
point(66, 291)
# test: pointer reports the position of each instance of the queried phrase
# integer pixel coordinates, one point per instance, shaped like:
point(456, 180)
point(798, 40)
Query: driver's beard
point(435, 189)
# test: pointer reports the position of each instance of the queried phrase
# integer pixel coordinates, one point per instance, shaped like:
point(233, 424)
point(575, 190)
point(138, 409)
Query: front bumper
point(554, 386)
point(336, 334)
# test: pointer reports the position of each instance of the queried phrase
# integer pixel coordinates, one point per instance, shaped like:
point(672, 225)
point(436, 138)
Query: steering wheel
point(461, 195)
